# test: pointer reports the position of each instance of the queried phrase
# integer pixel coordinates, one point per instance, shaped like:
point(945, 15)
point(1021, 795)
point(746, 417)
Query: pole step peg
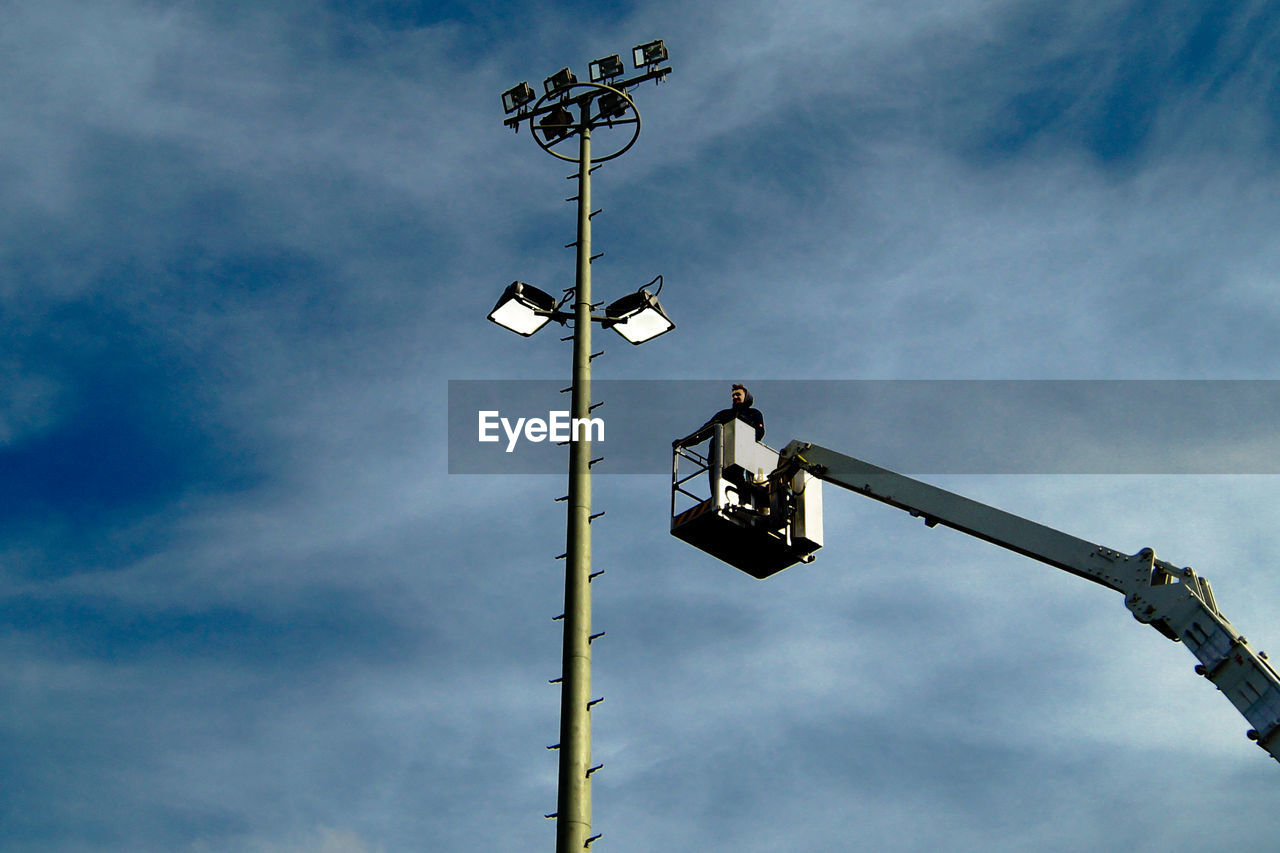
point(595, 637)
point(569, 338)
point(557, 618)
point(566, 390)
point(594, 258)
point(594, 702)
point(595, 575)
point(592, 463)
point(593, 839)
point(592, 214)
point(595, 516)
point(563, 444)
point(595, 355)
point(556, 680)
point(554, 746)
point(591, 770)
point(593, 168)
point(595, 406)
point(552, 815)
point(562, 556)
point(562, 499)
point(571, 245)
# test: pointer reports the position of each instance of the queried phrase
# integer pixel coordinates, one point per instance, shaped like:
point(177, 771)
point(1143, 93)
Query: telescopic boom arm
point(1175, 601)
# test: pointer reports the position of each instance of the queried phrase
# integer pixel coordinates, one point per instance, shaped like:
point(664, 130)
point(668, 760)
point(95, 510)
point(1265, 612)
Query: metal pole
point(573, 806)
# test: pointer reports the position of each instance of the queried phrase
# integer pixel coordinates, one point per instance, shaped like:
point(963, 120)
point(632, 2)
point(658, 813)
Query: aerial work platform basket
point(751, 515)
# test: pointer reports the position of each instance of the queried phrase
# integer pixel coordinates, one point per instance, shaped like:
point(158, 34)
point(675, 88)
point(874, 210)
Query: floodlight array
point(604, 70)
point(637, 317)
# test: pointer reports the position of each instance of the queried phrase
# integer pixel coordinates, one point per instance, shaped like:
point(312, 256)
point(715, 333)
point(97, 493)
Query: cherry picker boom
point(764, 514)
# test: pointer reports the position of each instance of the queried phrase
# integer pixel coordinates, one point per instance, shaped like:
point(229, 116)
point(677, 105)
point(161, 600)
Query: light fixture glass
point(519, 307)
point(638, 317)
point(516, 97)
point(644, 55)
point(560, 80)
point(605, 69)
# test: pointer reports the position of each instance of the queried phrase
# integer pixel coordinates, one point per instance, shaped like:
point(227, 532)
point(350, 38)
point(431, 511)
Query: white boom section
point(1175, 601)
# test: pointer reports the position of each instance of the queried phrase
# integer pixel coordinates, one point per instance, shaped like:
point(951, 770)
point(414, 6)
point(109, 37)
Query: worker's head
point(740, 395)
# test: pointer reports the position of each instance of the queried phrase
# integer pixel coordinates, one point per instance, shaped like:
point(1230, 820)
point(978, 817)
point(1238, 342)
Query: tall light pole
point(571, 109)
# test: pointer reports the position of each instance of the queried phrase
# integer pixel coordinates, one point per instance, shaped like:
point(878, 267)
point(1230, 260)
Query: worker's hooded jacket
point(741, 411)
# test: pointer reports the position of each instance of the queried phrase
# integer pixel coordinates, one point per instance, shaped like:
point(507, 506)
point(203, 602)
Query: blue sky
point(243, 607)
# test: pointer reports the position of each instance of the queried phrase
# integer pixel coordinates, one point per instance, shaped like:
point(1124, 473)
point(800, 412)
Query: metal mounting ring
point(587, 101)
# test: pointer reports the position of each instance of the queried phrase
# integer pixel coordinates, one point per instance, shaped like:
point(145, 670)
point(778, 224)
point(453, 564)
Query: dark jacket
point(741, 411)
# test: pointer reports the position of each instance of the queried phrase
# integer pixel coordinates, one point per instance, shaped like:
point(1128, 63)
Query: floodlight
point(556, 125)
point(649, 54)
point(612, 105)
point(516, 97)
point(523, 309)
point(638, 317)
point(560, 80)
point(605, 69)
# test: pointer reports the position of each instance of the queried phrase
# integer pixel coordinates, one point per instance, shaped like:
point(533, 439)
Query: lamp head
point(523, 309)
point(638, 317)
point(605, 69)
point(562, 79)
point(516, 97)
point(646, 55)
point(612, 105)
point(557, 124)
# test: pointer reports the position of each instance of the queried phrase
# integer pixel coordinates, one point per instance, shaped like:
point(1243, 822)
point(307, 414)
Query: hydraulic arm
point(1175, 601)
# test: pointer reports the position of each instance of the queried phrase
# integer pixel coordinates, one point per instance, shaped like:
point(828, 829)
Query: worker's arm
point(699, 435)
